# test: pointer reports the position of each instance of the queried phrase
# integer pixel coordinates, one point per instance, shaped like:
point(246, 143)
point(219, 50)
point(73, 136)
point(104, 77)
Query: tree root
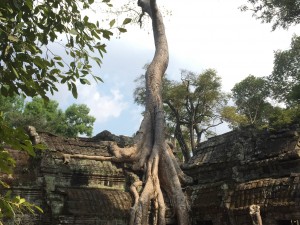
point(161, 172)
point(151, 154)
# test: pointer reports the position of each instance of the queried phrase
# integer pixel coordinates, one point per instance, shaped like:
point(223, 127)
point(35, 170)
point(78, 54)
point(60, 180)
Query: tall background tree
point(46, 116)
point(270, 102)
point(251, 99)
point(285, 85)
point(285, 78)
point(192, 106)
point(281, 13)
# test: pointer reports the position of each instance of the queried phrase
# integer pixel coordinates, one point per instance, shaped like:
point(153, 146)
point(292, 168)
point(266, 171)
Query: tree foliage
point(281, 13)
point(11, 205)
point(17, 139)
point(43, 44)
point(192, 106)
point(251, 99)
point(284, 117)
point(78, 121)
point(285, 78)
point(46, 116)
point(30, 33)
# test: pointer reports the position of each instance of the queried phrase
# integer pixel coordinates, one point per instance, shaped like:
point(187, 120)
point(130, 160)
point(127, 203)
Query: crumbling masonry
point(240, 178)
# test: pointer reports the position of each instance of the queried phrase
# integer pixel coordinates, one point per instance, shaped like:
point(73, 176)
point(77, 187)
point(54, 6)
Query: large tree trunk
point(151, 153)
point(161, 169)
point(184, 148)
point(178, 133)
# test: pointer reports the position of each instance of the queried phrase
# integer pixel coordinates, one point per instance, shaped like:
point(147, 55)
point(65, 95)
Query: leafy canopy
point(46, 116)
point(251, 99)
point(281, 13)
point(192, 105)
point(285, 78)
point(255, 105)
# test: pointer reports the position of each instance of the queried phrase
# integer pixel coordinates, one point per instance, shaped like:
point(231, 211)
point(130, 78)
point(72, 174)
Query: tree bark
point(254, 211)
point(161, 171)
point(184, 148)
point(178, 133)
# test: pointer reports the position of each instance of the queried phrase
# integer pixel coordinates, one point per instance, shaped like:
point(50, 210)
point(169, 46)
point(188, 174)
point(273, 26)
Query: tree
point(202, 102)
point(151, 154)
point(46, 116)
point(234, 119)
point(192, 106)
point(30, 33)
point(284, 117)
point(285, 78)
point(250, 97)
point(11, 107)
point(282, 13)
point(78, 121)
point(28, 28)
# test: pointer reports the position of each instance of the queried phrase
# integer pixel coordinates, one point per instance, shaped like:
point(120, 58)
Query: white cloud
point(103, 106)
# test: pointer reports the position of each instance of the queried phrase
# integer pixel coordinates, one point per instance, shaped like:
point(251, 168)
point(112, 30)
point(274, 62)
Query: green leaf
point(21, 201)
point(95, 34)
point(74, 90)
point(57, 58)
point(126, 21)
point(3, 184)
point(7, 208)
point(97, 60)
point(85, 81)
point(19, 26)
point(29, 4)
point(106, 34)
point(122, 30)
point(79, 65)
point(100, 47)
point(38, 61)
point(15, 71)
point(96, 78)
point(60, 63)
point(13, 38)
point(73, 31)
point(112, 22)
point(40, 146)
point(27, 146)
point(39, 208)
point(4, 91)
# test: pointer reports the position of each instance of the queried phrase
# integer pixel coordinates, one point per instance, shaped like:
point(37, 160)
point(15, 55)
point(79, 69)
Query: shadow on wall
point(79, 178)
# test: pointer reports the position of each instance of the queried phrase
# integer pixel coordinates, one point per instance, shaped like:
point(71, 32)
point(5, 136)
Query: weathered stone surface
point(81, 192)
point(238, 169)
point(231, 172)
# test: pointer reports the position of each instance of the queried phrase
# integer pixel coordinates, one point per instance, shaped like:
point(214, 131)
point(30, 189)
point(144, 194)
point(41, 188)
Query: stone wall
point(81, 192)
point(231, 172)
point(243, 168)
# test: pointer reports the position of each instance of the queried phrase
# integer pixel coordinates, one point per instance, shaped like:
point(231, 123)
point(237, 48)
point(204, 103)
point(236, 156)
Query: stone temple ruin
point(239, 178)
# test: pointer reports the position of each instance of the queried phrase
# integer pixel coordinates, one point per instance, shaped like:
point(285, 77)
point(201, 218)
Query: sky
point(201, 35)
